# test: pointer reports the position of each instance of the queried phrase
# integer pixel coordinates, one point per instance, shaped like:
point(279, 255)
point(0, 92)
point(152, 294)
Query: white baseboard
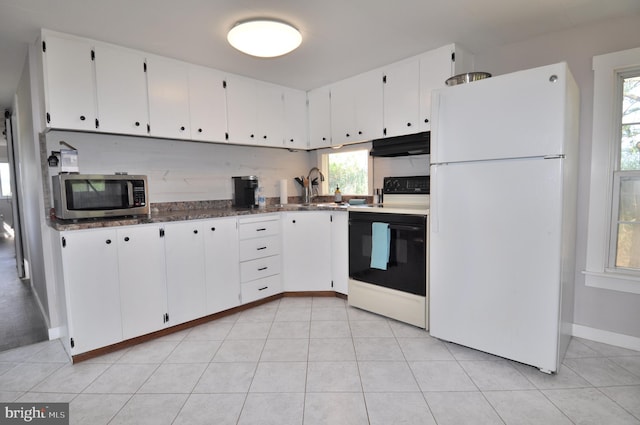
point(606, 337)
point(55, 333)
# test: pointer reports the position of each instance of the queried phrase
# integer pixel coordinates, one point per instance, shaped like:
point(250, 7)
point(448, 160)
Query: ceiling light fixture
point(264, 38)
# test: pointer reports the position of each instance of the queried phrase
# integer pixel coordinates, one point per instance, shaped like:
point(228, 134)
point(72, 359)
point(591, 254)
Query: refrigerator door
point(510, 116)
point(495, 262)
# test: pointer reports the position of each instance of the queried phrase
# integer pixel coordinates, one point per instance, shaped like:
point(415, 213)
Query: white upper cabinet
point(168, 82)
point(319, 113)
point(70, 96)
point(401, 91)
point(255, 112)
point(121, 86)
point(295, 119)
point(435, 67)
point(356, 108)
point(208, 104)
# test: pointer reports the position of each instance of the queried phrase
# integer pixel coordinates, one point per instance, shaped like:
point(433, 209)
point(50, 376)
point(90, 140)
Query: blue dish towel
point(380, 240)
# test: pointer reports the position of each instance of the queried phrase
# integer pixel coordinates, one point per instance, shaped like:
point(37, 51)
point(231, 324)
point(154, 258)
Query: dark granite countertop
point(197, 212)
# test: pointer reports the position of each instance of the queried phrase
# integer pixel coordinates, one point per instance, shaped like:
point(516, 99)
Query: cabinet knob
point(82, 118)
point(324, 138)
point(137, 123)
point(199, 130)
point(195, 232)
point(347, 135)
point(426, 120)
point(252, 136)
point(408, 124)
point(360, 132)
point(293, 221)
point(264, 137)
point(126, 238)
point(291, 140)
point(213, 229)
point(108, 241)
point(182, 128)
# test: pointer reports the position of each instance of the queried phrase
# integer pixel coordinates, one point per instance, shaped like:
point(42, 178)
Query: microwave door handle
point(130, 192)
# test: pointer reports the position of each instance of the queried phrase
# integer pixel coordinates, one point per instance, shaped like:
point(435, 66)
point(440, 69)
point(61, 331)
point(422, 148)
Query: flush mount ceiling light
point(264, 38)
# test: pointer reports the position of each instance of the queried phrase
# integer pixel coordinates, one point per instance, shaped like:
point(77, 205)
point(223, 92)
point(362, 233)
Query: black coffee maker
point(244, 191)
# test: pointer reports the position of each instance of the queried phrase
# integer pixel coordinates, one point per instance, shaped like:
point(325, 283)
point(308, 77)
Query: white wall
point(180, 170)
point(594, 308)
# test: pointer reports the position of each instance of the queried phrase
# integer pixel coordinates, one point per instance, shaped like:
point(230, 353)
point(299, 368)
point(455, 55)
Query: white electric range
point(397, 286)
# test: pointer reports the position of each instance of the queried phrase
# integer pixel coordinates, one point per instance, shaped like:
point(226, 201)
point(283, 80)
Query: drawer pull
point(261, 248)
point(263, 288)
point(261, 229)
point(262, 269)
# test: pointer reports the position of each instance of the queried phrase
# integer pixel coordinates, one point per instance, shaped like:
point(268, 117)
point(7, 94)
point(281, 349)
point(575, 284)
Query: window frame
point(323, 164)
point(605, 157)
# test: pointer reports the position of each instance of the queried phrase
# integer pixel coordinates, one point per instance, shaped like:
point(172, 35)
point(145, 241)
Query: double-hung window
point(613, 242)
point(625, 240)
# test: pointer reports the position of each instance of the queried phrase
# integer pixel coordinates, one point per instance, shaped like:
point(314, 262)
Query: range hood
point(410, 144)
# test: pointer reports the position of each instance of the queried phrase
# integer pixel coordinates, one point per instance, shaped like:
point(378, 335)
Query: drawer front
point(259, 268)
point(251, 249)
point(261, 288)
point(259, 229)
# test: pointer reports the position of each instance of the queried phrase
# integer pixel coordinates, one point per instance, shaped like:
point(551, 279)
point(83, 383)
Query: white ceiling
point(340, 37)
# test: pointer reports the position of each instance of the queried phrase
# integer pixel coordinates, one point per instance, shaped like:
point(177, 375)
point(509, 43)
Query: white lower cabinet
point(306, 241)
point(260, 260)
point(340, 251)
point(222, 272)
point(185, 267)
point(90, 267)
point(142, 279)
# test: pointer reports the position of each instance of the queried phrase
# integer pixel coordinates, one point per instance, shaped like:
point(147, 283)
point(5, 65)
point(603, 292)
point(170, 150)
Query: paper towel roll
point(283, 191)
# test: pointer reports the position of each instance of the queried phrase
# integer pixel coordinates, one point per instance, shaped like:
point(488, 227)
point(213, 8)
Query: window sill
point(614, 281)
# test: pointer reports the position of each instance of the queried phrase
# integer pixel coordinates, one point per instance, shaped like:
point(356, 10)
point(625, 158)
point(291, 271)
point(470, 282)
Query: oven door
point(406, 270)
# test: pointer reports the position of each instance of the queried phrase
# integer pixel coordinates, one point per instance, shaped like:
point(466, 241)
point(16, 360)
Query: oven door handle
point(405, 227)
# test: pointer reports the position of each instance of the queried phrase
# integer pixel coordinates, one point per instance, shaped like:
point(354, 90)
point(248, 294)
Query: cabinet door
point(121, 85)
point(319, 118)
point(307, 251)
point(143, 288)
point(356, 108)
point(340, 251)
point(368, 104)
point(343, 112)
point(270, 115)
point(70, 98)
point(90, 267)
point(241, 110)
point(168, 84)
point(295, 119)
point(208, 105)
point(401, 98)
point(222, 264)
point(435, 67)
point(184, 247)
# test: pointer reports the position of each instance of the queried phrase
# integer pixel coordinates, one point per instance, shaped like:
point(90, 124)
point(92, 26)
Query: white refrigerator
point(504, 155)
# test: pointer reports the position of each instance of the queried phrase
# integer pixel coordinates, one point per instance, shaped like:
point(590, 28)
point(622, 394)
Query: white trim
point(55, 333)
point(607, 69)
point(606, 337)
point(613, 281)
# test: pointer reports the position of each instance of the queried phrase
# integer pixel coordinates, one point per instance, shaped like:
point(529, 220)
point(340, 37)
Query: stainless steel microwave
point(78, 196)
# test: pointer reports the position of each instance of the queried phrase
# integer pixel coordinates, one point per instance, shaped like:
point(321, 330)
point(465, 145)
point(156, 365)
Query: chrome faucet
point(309, 190)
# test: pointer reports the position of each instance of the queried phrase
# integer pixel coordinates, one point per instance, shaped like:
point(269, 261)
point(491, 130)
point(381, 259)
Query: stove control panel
point(407, 185)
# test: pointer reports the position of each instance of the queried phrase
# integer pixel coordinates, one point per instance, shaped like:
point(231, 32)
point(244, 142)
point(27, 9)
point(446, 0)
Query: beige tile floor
point(319, 361)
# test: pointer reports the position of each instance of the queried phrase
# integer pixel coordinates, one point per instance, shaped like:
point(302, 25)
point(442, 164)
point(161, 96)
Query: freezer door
point(510, 116)
point(495, 257)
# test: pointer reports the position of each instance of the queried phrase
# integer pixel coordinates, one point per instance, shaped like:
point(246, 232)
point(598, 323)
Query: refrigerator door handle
point(435, 121)
point(434, 211)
